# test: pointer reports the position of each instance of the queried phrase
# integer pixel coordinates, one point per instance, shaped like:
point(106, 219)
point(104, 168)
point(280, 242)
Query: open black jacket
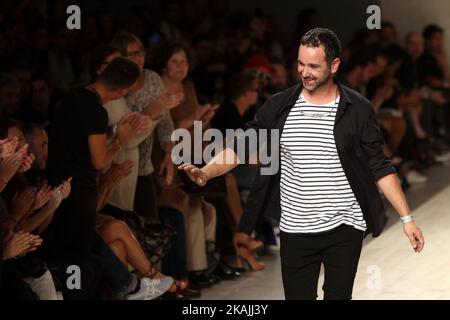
point(359, 143)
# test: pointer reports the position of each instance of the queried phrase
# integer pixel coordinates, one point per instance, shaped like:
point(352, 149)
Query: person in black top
point(79, 148)
point(237, 108)
point(40, 103)
point(420, 72)
point(435, 61)
point(436, 57)
point(419, 68)
point(235, 112)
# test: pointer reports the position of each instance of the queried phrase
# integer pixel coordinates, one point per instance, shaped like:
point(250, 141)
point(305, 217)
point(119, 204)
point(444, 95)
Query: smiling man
point(325, 195)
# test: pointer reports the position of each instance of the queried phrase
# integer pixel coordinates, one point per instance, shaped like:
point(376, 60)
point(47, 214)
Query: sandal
point(177, 291)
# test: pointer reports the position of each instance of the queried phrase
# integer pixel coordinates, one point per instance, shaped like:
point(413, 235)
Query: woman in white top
point(149, 98)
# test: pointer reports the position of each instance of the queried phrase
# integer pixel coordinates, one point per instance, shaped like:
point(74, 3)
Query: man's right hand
point(194, 173)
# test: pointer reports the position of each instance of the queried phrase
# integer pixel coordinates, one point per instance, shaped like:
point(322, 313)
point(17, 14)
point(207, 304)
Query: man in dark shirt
point(237, 108)
point(39, 105)
point(115, 273)
point(418, 66)
point(234, 113)
point(419, 71)
point(78, 148)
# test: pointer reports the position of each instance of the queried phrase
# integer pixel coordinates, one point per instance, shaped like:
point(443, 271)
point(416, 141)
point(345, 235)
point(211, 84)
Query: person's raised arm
point(223, 162)
point(157, 107)
point(103, 154)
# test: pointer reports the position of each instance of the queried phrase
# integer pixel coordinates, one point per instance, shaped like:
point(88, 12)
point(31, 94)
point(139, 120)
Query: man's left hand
point(414, 235)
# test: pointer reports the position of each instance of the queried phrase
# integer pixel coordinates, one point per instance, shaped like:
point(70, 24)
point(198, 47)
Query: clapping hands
point(20, 243)
point(13, 161)
point(116, 173)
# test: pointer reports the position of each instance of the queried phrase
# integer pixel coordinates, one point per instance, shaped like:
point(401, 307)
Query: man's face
point(40, 95)
point(313, 69)
point(414, 45)
point(374, 69)
point(436, 42)
point(39, 147)
point(389, 34)
point(9, 100)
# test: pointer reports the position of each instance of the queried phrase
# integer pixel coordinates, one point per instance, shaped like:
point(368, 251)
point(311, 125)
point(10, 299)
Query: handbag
point(154, 236)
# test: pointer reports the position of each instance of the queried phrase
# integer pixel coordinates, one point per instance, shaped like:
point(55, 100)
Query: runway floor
point(389, 269)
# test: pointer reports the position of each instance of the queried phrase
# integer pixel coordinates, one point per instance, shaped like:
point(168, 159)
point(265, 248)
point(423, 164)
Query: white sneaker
point(151, 288)
point(414, 177)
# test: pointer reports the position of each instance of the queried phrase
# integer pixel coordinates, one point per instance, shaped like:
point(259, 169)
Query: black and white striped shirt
point(315, 193)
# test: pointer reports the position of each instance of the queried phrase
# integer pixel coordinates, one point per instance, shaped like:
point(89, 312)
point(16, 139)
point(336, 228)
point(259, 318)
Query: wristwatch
point(114, 130)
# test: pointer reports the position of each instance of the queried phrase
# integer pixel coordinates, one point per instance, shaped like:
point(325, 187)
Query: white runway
point(389, 269)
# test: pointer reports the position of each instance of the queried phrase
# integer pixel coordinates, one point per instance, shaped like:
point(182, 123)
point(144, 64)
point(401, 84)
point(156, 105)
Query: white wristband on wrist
point(406, 219)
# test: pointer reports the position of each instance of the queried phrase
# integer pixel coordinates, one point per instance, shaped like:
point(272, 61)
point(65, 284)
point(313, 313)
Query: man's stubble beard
point(318, 85)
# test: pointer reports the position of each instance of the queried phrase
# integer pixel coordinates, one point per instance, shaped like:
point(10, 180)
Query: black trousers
point(12, 286)
point(302, 255)
point(74, 221)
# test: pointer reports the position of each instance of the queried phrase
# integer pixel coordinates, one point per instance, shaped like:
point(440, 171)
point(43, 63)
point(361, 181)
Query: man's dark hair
point(362, 56)
point(325, 37)
point(240, 84)
point(98, 57)
point(430, 30)
point(358, 58)
point(121, 73)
